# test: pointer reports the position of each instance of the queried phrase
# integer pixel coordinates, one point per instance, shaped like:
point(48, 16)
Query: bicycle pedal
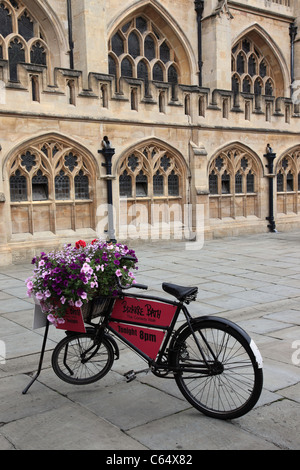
point(130, 375)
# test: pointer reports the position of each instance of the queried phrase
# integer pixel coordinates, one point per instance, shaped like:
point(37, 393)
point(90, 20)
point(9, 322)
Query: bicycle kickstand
point(131, 374)
point(41, 359)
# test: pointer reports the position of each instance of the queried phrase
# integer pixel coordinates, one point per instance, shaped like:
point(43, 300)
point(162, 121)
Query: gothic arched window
point(140, 38)
point(26, 43)
point(248, 60)
point(54, 183)
point(233, 184)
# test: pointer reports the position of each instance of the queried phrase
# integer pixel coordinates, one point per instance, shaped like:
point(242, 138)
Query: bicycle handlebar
point(138, 286)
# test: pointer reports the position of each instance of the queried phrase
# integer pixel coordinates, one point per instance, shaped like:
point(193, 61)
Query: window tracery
point(150, 171)
point(22, 37)
point(251, 72)
point(53, 173)
point(233, 177)
point(288, 182)
point(138, 50)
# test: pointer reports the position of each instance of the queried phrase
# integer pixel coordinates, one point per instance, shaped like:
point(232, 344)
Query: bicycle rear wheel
point(80, 359)
point(233, 385)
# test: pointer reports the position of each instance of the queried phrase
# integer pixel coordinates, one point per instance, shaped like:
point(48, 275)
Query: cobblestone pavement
point(253, 281)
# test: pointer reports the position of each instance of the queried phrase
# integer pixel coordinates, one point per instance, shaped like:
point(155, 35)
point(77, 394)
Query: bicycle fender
point(224, 321)
point(229, 324)
point(114, 344)
point(106, 335)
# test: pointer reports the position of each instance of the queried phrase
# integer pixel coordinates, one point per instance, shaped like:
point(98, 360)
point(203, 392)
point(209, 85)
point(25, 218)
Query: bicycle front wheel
point(223, 381)
point(80, 359)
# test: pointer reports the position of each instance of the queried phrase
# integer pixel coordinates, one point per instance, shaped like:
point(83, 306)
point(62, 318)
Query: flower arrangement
point(75, 275)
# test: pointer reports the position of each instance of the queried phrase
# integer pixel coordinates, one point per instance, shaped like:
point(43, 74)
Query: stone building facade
point(189, 94)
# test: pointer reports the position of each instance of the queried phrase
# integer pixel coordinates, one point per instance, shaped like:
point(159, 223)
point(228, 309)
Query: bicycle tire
point(235, 388)
point(80, 360)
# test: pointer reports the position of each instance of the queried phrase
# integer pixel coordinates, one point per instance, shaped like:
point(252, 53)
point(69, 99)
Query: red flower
point(94, 241)
point(80, 243)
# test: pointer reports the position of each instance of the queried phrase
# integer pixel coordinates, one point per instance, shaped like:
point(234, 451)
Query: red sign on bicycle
point(143, 311)
point(135, 311)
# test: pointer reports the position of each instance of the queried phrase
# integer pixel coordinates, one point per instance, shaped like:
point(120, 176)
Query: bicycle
point(215, 363)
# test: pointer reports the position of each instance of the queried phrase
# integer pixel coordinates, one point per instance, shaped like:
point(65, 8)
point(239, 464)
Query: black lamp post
point(270, 156)
point(108, 153)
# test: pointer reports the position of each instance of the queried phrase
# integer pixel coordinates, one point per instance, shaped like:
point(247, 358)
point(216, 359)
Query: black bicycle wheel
point(79, 359)
point(235, 384)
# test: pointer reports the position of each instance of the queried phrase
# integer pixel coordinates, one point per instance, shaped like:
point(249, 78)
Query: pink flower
point(118, 273)
point(78, 303)
point(51, 318)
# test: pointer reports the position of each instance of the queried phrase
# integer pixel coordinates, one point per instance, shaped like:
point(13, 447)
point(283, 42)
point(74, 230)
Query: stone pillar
point(216, 31)
point(89, 36)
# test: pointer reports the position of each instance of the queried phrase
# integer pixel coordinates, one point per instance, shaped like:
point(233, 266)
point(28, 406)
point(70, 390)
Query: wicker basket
point(95, 308)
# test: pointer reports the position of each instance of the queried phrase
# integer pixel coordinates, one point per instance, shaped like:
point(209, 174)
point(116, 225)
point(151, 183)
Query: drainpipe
point(70, 34)
point(293, 34)
point(199, 7)
point(270, 156)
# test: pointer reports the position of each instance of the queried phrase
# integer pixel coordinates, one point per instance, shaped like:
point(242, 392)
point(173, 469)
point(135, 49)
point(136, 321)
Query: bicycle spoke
point(228, 383)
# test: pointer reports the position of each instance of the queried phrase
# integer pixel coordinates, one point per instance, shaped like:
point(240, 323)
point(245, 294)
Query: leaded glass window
point(246, 85)
point(247, 58)
point(117, 44)
point(16, 54)
point(158, 184)
point(240, 68)
point(164, 52)
point(150, 171)
point(54, 181)
point(38, 54)
point(26, 43)
point(141, 24)
point(142, 73)
point(125, 185)
point(238, 182)
point(269, 88)
point(158, 73)
point(62, 186)
point(279, 182)
point(5, 21)
point(25, 25)
point(18, 187)
point(81, 186)
point(126, 68)
point(133, 45)
point(149, 47)
point(28, 160)
point(136, 38)
point(213, 183)
point(173, 184)
point(112, 69)
point(71, 161)
point(250, 182)
point(252, 65)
